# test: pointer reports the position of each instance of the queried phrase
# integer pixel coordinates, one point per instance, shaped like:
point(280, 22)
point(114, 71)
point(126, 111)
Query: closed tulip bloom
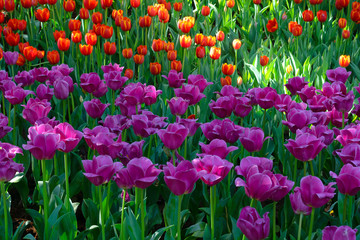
point(21, 60)
point(4, 128)
point(59, 34)
point(22, 46)
point(272, 25)
point(252, 139)
point(106, 31)
point(180, 179)
point(145, 21)
point(61, 89)
point(213, 169)
point(236, 44)
point(146, 125)
point(343, 103)
point(252, 226)
point(190, 92)
point(40, 54)
point(169, 46)
point(24, 78)
point(321, 15)
point(114, 80)
point(53, 57)
point(68, 135)
point(297, 119)
point(344, 60)
point(90, 82)
point(308, 15)
point(139, 59)
point(230, 3)
point(198, 80)
point(16, 95)
point(262, 164)
point(127, 53)
point(350, 154)
point(171, 55)
point(100, 169)
point(175, 79)
point(90, 38)
point(36, 109)
point(264, 60)
point(225, 81)
point(9, 5)
point(216, 147)
point(228, 69)
point(345, 34)
point(10, 57)
point(296, 30)
point(76, 36)
point(69, 5)
point(90, 4)
point(63, 44)
point(44, 92)
point(125, 24)
point(12, 39)
point(242, 107)
point(215, 53)
point(223, 106)
point(185, 41)
point(95, 108)
point(176, 65)
point(297, 203)
point(84, 13)
point(8, 169)
point(200, 52)
point(142, 49)
point(85, 50)
point(342, 23)
point(150, 95)
point(314, 193)
point(109, 48)
point(135, 3)
point(155, 68)
point(348, 181)
point(173, 136)
point(134, 93)
point(22, 25)
point(142, 172)
point(74, 25)
point(106, 3)
point(178, 105)
point(157, 45)
point(221, 129)
point(178, 6)
point(296, 84)
point(339, 233)
point(205, 11)
point(26, 3)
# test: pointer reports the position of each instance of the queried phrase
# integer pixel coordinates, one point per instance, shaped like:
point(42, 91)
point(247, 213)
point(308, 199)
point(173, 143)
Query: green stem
point(274, 221)
point(304, 169)
point(295, 170)
point(149, 147)
point(101, 215)
point(320, 164)
point(344, 210)
point(343, 120)
point(185, 148)
point(264, 119)
point(107, 215)
point(312, 168)
point(68, 108)
point(67, 200)
point(64, 110)
point(142, 214)
point(45, 197)
point(122, 233)
point(179, 218)
point(3, 193)
point(212, 212)
point(311, 223)
point(14, 129)
point(136, 201)
point(173, 157)
point(299, 230)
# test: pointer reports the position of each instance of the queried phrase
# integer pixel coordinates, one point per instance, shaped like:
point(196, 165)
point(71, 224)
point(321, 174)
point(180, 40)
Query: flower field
point(179, 119)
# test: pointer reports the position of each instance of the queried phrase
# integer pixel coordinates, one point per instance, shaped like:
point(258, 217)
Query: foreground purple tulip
point(216, 147)
point(178, 105)
point(339, 233)
point(8, 169)
point(348, 181)
point(297, 203)
point(295, 84)
point(252, 139)
point(251, 225)
point(198, 80)
point(95, 108)
point(17, 95)
point(36, 109)
point(68, 135)
point(180, 179)
point(338, 74)
point(114, 80)
point(297, 119)
point(4, 128)
point(175, 79)
point(223, 106)
point(39, 74)
point(173, 136)
point(221, 129)
point(100, 169)
point(44, 92)
point(190, 92)
point(350, 154)
point(246, 164)
point(11, 57)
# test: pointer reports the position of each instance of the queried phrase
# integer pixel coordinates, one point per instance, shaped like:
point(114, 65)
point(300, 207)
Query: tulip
point(348, 180)
point(22, 25)
point(150, 95)
point(321, 15)
point(142, 49)
point(297, 203)
point(246, 164)
point(95, 108)
point(225, 81)
point(129, 73)
point(63, 43)
point(178, 105)
point(107, 32)
point(109, 48)
point(16, 95)
point(30, 53)
point(216, 147)
point(339, 233)
point(114, 80)
point(272, 25)
point(342, 23)
point(90, 4)
point(344, 60)
point(143, 172)
point(252, 139)
point(220, 36)
point(36, 109)
point(205, 11)
point(228, 69)
point(116, 123)
point(84, 13)
point(69, 5)
point(85, 50)
point(223, 106)
point(236, 44)
point(11, 57)
point(199, 81)
point(350, 154)
point(90, 82)
point(8, 169)
point(221, 129)
point(4, 128)
point(74, 25)
point(68, 135)
point(296, 30)
point(296, 84)
point(251, 225)
point(190, 92)
point(173, 136)
point(180, 179)
point(308, 15)
point(264, 60)
point(185, 41)
point(297, 119)
point(146, 125)
point(175, 79)
point(155, 68)
point(178, 6)
point(44, 92)
point(215, 53)
point(21, 60)
point(125, 24)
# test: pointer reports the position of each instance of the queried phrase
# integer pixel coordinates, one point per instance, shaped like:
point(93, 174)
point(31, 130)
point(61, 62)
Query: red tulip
point(90, 38)
point(342, 22)
point(135, 3)
point(127, 53)
point(205, 11)
point(227, 69)
point(106, 3)
point(26, 3)
point(272, 25)
point(97, 17)
point(90, 4)
point(308, 15)
point(129, 73)
point(106, 31)
point(264, 60)
point(12, 39)
point(84, 13)
point(30, 53)
point(74, 25)
point(69, 5)
point(125, 24)
point(145, 21)
point(22, 25)
point(200, 52)
point(155, 68)
point(176, 65)
point(76, 36)
point(59, 34)
point(345, 34)
point(215, 53)
point(142, 49)
point(109, 48)
point(163, 15)
point(185, 41)
point(171, 55)
point(63, 44)
point(178, 6)
point(157, 45)
point(236, 44)
point(138, 59)
point(40, 54)
point(85, 49)
point(321, 15)
point(220, 36)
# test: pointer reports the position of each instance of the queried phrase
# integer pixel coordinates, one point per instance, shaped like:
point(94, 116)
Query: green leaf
point(133, 228)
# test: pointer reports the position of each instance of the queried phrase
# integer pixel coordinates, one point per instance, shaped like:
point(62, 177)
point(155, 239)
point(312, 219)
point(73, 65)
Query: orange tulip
point(215, 53)
point(172, 55)
point(109, 48)
point(125, 24)
point(69, 5)
point(321, 15)
point(2, 16)
point(291, 25)
point(152, 11)
point(264, 60)
point(22, 46)
point(257, 2)
point(21, 60)
point(184, 26)
point(106, 31)
point(97, 29)
point(198, 38)
point(355, 15)
point(30, 53)
point(142, 49)
point(228, 69)
point(163, 15)
point(344, 60)
point(85, 50)
point(90, 38)
point(74, 25)
point(314, 2)
point(26, 3)
point(145, 21)
point(127, 53)
point(40, 54)
point(236, 44)
point(176, 65)
point(211, 41)
point(13, 24)
point(22, 25)
point(157, 45)
point(226, 81)
point(190, 20)
point(205, 11)
point(296, 30)
point(178, 6)
point(272, 25)
point(155, 68)
point(84, 13)
point(90, 4)
point(96, 17)
point(129, 73)
point(116, 13)
point(342, 23)
point(51, 2)
point(12, 39)
point(9, 5)
point(1, 53)
point(289, 69)
point(106, 3)
point(169, 46)
point(76, 36)
point(230, 3)
point(345, 34)
point(185, 41)
point(135, 3)
point(200, 52)
point(63, 44)
point(59, 34)
point(6, 31)
point(138, 59)
point(220, 35)
point(53, 57)
point(308, 15)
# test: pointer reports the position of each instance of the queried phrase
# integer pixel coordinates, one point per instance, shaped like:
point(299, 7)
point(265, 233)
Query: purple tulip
point(350, 154)
point(4, 76)
point(321, 118)
point(174, 78)
point(281, 102)
point(336, 117)
point(297, 119)
point(178, 105)
point(228, 91)
point(8, 169)
point(338, 74)
point(39, 74)
point(335, 88)
point(242, 106)
point(24, 78)
point(134, 93)
point(126, 108)
point(180, 179)
point(44, 92)
point(95, 108)
point(150, 95)
point(68, 135)
point(61, 89)
point(222, 129)
point(314, 193)
point(100, 169)
point(8, 150)
point(295, 84)
point(261, 163)
point(105, 144)
point(101, 90)
point(142, 172)
point(306, 93)
point(173, 136)
point(131, 151)
point(317, 103)
point(63, 68)
point(297, 203)
point(350, 134)
point(114, 80)
point(321, 131)
point(343, 103)
point(348, 181)
point(146, 125)
point(90, 135)
point(251, 225)
point(216, 147)
point(112, 68)
point(189, 123)
point(339, 233)
point(198, 80)
point(11, 57)
point(90, 81)
point(116, 123)
point(252, 139)
point(17, 95)
point(285, 186)
point(214, 169)
point(251, 94)
point(223, 106)
point(266, 97)
point(4, 128)
point(356, 110)
point(43, 142)
point(190, 92)
point(36, 109)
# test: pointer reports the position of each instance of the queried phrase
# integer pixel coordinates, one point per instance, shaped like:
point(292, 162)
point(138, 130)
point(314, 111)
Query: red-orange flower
point(69, 5)
point(272, 25)
point(314, 2)
point(176, 65)
point(40, 54)
point(138, 59)
point(12, 39)
point(125, 24)
point(22, 25)
point(84, 13)
point(155, 68)
point(308, 15)
point(127, 53)
point(211, 41)
point(185, 41)
point(340, 4)
point(342, 22)
point(184, 26)
point(298, 1)
point(21, 60)
point(220, 35)
point(2, 4)
point(145, 21)
point(291, 25)
point(58, 34)
point(76, 36)
point(152, 11)
point(257, 2)
point(96, 17)
point(85, 49)
point(74, 25)
point(205, 11)
point(26, 3)
point(51, 2)
point(230, 3)
point(109, 48)
point(215, 53)
point(169, 46)
point(296, 29)
point(30, 53)
point(163, 15)
point(90, 4)
point(227, 69)
point(172, 55)
point(178, 6)
point(236, 44)
point(355, 15)
point(345, 34)
point(344, 60)
point(106, 31)
point(106, 3)
point(198, 38)
point(13, 24)
point(116, 13)
point(264, 60)
point(90, 38)
point(129, 73)
point(2, 16)
point(22, 46)
point(63, 44)
point(142, 49)
point(9, 5)
point(53, 57)
point(1, 53)
point(200, 52)
point(135, 3)
point(157, 45)
point(226, 81)
point(97, 29)
point(321, 15)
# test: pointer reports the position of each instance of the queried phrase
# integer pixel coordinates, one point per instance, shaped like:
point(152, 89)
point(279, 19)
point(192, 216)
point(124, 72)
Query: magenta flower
point(100, 169)
point(8, 150)
point(4, 128)
point(90, 81)
point(36, 109)
point(350, 134)
point(11, 57)
point(142, 172)
point(116, 123)
point(191, 124)
point(44, 92)
point(330, 90)
point(95, 108)
point(305, 147)
point(174, 78)
point(336, 117)
point(63, 68)
point(228, 90)
point(178, 105)
point(101, 90)
point(24, 78)
point(39, 74)
point(222, 129)
point(251, 225)
point(339, 233)
point(281, 102)
point(198, 80)
point(145, 125)
point(262, 164)
point(61, 89)
point(215, 168)
point(180, 179)
point(190, 92)
point(68, 135)
point(114, 80)
point(306, 93)
point(338, 74)
point(266, 97)
point(350, 154)
point(112, 68)
point(216, 147)
point(297, 119)
point(321, 131)
point(131, 151)
point(343, 103)
point(242, 106)
point(252, 139)
point(90, 135)
point(295, 84)
point(223, 106)
point(126, 108)
point(17, 95)
point(8, 169)
point(150, 95)
point(348, 181)
point(173, 136)
point(285, 186)
point(297, 203)
point(104, 144)
point(314, 193)
point(317, 103)
point(134, 93)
